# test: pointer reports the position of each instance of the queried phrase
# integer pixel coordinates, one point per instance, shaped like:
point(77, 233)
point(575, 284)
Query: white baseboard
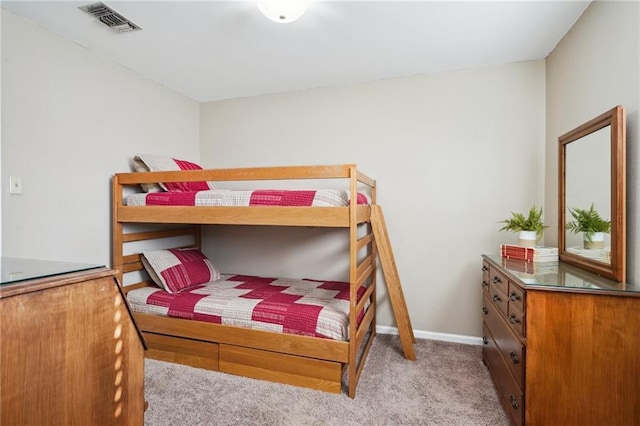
point(419, 334)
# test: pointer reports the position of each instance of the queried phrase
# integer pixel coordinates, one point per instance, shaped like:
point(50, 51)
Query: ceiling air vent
point(109, 17)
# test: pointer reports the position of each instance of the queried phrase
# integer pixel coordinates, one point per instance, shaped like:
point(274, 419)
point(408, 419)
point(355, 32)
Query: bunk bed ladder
point(392, 279)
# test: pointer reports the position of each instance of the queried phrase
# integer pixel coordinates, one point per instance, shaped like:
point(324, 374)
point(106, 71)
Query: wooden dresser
point(562, 344)
point(70, 353)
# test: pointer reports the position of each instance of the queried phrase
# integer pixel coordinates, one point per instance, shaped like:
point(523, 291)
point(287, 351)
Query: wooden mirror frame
point(617, 268)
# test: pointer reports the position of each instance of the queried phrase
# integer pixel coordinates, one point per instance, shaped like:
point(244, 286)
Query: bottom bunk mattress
point(284, 305)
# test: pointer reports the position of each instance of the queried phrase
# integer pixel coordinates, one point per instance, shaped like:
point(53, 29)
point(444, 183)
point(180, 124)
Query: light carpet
point(447, 385)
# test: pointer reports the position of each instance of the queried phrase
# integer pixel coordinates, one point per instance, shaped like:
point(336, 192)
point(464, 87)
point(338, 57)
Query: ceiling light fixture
point(283, 11)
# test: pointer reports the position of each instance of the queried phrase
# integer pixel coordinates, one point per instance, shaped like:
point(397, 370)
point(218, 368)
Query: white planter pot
point(527, 238)
point(597, 241)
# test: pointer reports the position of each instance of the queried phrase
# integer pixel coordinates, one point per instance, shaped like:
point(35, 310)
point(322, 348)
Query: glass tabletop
point(14, 270)
point(559, 275)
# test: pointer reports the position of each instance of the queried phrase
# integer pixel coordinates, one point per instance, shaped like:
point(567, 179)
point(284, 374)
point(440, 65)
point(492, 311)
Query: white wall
point(70, 119)
point(595, 67)
point(454, 153)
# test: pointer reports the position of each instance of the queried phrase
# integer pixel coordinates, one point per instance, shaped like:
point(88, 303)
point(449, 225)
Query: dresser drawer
point(516, 296)
point(490, 352)
point(500, 299)
point(516, 319)
point(509, 391)
point(485, 277)
point(516, 309)
point(512, 350)
point(498, 282)
point(509, 298)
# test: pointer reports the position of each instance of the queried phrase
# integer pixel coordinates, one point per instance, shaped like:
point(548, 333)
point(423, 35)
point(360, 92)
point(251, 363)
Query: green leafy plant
point(519, 222)
point(588, 221)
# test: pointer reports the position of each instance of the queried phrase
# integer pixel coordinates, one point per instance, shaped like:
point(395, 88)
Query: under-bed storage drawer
point(195, 353)
point(282, 368)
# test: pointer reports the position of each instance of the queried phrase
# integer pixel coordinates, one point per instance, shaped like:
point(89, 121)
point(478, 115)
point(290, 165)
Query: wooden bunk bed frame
point(298, 360)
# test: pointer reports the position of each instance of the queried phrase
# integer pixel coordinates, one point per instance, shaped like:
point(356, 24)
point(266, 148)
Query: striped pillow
point(176, 270)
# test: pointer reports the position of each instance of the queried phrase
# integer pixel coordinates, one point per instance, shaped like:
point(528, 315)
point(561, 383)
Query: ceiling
point(212, 50)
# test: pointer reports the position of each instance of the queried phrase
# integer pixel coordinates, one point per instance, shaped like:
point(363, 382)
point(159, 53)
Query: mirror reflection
point(588, 196)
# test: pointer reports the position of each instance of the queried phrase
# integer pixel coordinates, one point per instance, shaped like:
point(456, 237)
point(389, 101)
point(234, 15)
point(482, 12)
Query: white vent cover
point(109, 17)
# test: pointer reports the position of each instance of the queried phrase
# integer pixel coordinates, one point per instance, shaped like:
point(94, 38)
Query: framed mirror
point(592, 195)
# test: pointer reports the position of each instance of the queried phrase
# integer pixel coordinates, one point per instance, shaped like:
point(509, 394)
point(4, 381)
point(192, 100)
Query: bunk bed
point(297, 359)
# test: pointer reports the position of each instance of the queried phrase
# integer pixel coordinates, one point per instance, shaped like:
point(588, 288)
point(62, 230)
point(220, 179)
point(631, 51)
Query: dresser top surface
point(559, 276)
point(16, 270)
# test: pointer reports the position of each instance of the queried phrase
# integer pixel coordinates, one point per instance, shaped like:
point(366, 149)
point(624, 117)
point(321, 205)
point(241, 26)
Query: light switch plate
point(15, 185)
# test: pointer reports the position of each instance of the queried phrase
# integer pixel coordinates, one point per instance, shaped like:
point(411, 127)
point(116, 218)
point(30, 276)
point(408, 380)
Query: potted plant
point(530, 227)
point(591, 224)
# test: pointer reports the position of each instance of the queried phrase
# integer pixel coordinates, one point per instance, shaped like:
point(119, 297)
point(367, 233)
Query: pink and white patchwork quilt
point(245, 198)
point(284, 305)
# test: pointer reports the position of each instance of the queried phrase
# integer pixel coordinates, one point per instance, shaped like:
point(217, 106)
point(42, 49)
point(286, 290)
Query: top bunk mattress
point(246, 198)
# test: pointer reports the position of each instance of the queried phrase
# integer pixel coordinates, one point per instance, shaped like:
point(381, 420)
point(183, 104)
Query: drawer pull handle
point(485, 310)
point(514, 296)
point(496, 298)
point(485, 284)
point(484, 268)
point(513, 319)
point(496, 280)
point(514, 357)
point(485, 340)
point(514, 401)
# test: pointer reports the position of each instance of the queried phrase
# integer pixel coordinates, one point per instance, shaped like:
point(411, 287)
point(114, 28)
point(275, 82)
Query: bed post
point(116, 229)
point(374, 253)
point(353, 280)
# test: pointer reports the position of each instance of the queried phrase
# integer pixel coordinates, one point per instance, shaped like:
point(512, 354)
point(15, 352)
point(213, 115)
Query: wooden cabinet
point(70, 353)
point(562, 344)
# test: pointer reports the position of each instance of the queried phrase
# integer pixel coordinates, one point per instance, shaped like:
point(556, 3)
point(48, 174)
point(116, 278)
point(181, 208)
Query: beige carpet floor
point(447, 385)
